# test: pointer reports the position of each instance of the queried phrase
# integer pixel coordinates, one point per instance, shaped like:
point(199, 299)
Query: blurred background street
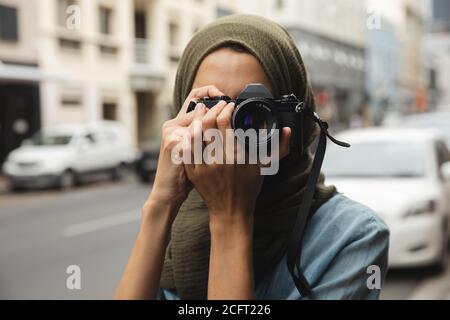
point(85, 86)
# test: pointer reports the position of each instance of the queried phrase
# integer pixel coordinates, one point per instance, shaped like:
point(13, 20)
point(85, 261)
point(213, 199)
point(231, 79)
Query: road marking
point(101, 224)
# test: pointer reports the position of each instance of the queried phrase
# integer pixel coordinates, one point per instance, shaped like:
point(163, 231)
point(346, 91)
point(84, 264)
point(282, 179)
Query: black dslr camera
point(257, 109)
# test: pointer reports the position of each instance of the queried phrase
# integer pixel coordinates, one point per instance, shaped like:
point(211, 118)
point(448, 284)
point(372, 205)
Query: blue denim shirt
point(342, 240)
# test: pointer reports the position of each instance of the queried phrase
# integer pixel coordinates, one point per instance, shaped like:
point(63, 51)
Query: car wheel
point(119, 173)
point(67, 180)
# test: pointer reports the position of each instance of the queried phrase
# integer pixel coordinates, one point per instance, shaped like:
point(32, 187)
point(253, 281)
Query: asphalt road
point(93, 227)
point(44, 232)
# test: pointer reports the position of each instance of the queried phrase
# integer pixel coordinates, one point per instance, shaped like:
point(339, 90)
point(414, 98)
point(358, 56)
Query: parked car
point(404, 175)
point(147, 162)
point(439, 121)
point(63, 155)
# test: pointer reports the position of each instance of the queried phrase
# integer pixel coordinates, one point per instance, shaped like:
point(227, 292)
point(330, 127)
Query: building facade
point(440, 14)
point(395, 46)
point(84, 60)
point(436, 49)
point(331, 36)
point(437, 54)
point(69, 61)
point(20, 74)
point(383, 66)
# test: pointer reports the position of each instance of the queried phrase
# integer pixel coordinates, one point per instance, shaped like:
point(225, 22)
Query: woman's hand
point(229, 190)
point(171, 186)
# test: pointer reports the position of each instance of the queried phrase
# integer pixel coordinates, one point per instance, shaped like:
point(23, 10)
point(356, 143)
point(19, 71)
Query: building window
point(279, 4)
point(71, 101)
point(110, 111)
point(174, 34)
point(140, 25)
point(432, 79)
point(108, 50)
point(174, 58)
point(105, 20)
point(73, 45)
point(222, 12)
point(174, 42)
point(8, 24)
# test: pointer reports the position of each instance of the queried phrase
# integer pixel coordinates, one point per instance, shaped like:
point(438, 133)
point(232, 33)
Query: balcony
point(142, 51)
point(148, 70)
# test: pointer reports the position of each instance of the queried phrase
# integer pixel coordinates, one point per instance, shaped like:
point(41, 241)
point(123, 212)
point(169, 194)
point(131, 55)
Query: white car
point(404, 176)
point(63, 155)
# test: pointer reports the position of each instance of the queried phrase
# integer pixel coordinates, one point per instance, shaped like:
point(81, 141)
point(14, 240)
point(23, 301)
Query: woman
point(222, 231)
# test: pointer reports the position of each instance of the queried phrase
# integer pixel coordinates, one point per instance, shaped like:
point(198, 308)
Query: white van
point(62, 155)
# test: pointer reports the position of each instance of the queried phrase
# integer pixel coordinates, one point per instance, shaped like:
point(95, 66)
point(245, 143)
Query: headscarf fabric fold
point(186, 264)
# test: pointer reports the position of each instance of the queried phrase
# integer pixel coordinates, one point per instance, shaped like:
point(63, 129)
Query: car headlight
point(425, 207)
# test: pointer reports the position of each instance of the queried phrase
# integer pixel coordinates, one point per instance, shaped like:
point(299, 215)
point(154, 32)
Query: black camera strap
point(296, 239)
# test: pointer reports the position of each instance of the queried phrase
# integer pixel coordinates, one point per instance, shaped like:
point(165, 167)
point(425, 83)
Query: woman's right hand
point(171, 186)
point(142, 274)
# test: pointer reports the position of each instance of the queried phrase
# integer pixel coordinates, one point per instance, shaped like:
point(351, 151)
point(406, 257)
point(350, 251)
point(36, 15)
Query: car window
point(50, 139)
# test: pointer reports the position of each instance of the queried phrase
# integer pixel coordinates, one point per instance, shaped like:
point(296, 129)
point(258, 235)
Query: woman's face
point(230, 72)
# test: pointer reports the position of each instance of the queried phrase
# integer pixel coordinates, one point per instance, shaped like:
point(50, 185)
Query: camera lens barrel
point(258, 115)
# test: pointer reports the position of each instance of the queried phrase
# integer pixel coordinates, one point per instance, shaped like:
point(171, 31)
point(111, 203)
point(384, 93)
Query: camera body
point(257, 109)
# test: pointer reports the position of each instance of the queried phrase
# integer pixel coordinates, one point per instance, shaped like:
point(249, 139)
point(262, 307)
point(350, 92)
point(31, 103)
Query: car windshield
point(50, 139)
point(376, 160)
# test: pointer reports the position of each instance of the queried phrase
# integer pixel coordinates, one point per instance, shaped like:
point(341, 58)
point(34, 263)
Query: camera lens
point(256, 114)
point(255, 121)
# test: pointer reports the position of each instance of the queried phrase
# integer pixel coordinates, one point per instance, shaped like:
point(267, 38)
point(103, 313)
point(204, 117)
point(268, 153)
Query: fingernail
point(199, 107)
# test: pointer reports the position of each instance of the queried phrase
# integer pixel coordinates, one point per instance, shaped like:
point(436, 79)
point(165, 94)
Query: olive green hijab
point(187, 260)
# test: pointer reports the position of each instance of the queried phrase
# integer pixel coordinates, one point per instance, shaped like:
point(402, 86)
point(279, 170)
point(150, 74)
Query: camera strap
point(296, 239)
